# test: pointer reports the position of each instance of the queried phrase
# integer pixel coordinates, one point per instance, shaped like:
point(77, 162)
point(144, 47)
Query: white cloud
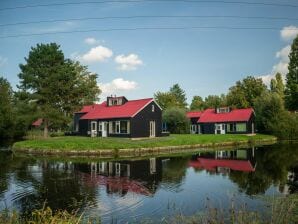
point(128, 62)
point(92, 41)
point(97, 54)
point(3, 61)
point(289, 33)
point(117, 86)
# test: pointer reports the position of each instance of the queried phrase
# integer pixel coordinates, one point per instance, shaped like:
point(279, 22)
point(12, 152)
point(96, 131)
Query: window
point(223, 110)
point(231, 127)
point(100, 126)
point(119, 127)
point(152, 108)
point(241, 127)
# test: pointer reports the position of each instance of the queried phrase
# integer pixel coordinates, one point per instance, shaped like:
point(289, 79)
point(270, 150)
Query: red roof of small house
point(38, 122)
point(210, 116)
point(194, 114)
point(102, 111)
point(211, 164)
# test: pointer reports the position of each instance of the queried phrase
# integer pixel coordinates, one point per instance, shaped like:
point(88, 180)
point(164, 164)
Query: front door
point(220, 129)
point(152, 128)
point(104, 128)
point(93, 128)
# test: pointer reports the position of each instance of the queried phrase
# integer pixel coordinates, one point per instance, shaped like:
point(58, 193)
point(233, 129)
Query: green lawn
point(86, 143)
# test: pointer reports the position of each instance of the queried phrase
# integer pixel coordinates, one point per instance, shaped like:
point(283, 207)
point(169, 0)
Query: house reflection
point(225, 161)
point(121, 177)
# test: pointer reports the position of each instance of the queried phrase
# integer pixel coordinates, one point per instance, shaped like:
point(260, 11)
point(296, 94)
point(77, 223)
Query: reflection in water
point(148, 188)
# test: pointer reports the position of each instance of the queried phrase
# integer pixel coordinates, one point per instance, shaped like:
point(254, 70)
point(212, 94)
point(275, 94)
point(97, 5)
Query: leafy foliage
point(176, 97)
point(57, 85)
point(197, 103)
point(271, 117)
point(291, 91)
point(213, 101)
point(243, 94)
point(176, 120)
point(6, 110)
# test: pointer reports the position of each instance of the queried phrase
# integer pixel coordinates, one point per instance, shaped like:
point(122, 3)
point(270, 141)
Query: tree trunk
point(45, 129)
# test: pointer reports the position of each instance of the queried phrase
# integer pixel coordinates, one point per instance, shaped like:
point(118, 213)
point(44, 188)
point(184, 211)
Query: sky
point(137, 63)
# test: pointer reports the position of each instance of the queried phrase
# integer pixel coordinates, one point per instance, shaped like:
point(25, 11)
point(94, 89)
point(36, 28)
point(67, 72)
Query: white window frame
point(152, 108)
point(118, 127)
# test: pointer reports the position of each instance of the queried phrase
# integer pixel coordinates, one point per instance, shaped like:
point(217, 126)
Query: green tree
point(291, 91)
point(213, 101)
point(268, 107)
point(6, 110)
point(57, 85)
point(179, 95)
point(197, 103)
point(243, 94)
point(277, 85)
point(176, 120)
point(165, 100)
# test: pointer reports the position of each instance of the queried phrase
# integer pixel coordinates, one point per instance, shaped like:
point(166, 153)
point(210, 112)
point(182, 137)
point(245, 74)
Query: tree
point(213, 101)
point(57, 85)
point(6, 110)
point(176, 120)
point(277, 85)
point(179, 95)
point(165, 100)
point(197, 103)
point(243, 94)
point(268, 107)
point(176, 97)
point(291, 91)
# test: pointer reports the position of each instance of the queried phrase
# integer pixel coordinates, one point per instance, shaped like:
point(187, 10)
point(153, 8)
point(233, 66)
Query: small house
point(223, 120)
point(119, 117)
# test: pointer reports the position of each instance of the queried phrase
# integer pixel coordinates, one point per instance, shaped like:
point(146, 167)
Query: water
point(151, 188)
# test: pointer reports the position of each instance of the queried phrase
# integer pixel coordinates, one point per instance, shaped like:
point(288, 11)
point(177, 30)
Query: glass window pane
point(241, 127)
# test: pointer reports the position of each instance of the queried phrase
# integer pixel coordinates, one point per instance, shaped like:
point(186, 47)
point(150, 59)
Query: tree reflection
point(273, 166)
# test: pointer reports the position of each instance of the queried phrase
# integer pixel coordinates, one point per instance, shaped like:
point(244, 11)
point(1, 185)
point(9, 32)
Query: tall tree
point(197, 103)
point(165, 100)
point(6, 110)
point(243, 94)
point(291, 91)
point(179, 94)
point(277, 85)
point(57, 85)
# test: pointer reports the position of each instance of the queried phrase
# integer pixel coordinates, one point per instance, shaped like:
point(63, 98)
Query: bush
point(176, 120)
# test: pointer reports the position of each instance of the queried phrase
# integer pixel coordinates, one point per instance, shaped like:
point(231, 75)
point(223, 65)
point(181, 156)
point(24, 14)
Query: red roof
point(38, 122)
point(210, 116)
point(116, 184)
point(194, 114)
point(211, 164)
point(102, 111)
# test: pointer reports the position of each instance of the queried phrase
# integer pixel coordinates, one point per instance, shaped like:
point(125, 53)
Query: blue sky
point(139, 63)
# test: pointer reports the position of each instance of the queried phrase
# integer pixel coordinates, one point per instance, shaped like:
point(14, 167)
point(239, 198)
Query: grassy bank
point(70, 143)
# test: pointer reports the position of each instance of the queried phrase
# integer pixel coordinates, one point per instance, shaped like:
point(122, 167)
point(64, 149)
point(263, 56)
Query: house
point(222, 120)
point(225, 161)
point(194, 117)
point(37, 123)
point(119, 117)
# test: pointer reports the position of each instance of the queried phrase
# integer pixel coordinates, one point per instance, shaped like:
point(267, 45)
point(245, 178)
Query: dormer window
point(153, 108)
point(221, 110)
point(116, 101)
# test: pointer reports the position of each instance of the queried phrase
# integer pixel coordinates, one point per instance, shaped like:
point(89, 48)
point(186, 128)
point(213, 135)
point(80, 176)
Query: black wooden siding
point(140, 126)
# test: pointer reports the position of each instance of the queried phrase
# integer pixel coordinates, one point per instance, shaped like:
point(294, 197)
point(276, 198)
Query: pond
point(149, 188)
